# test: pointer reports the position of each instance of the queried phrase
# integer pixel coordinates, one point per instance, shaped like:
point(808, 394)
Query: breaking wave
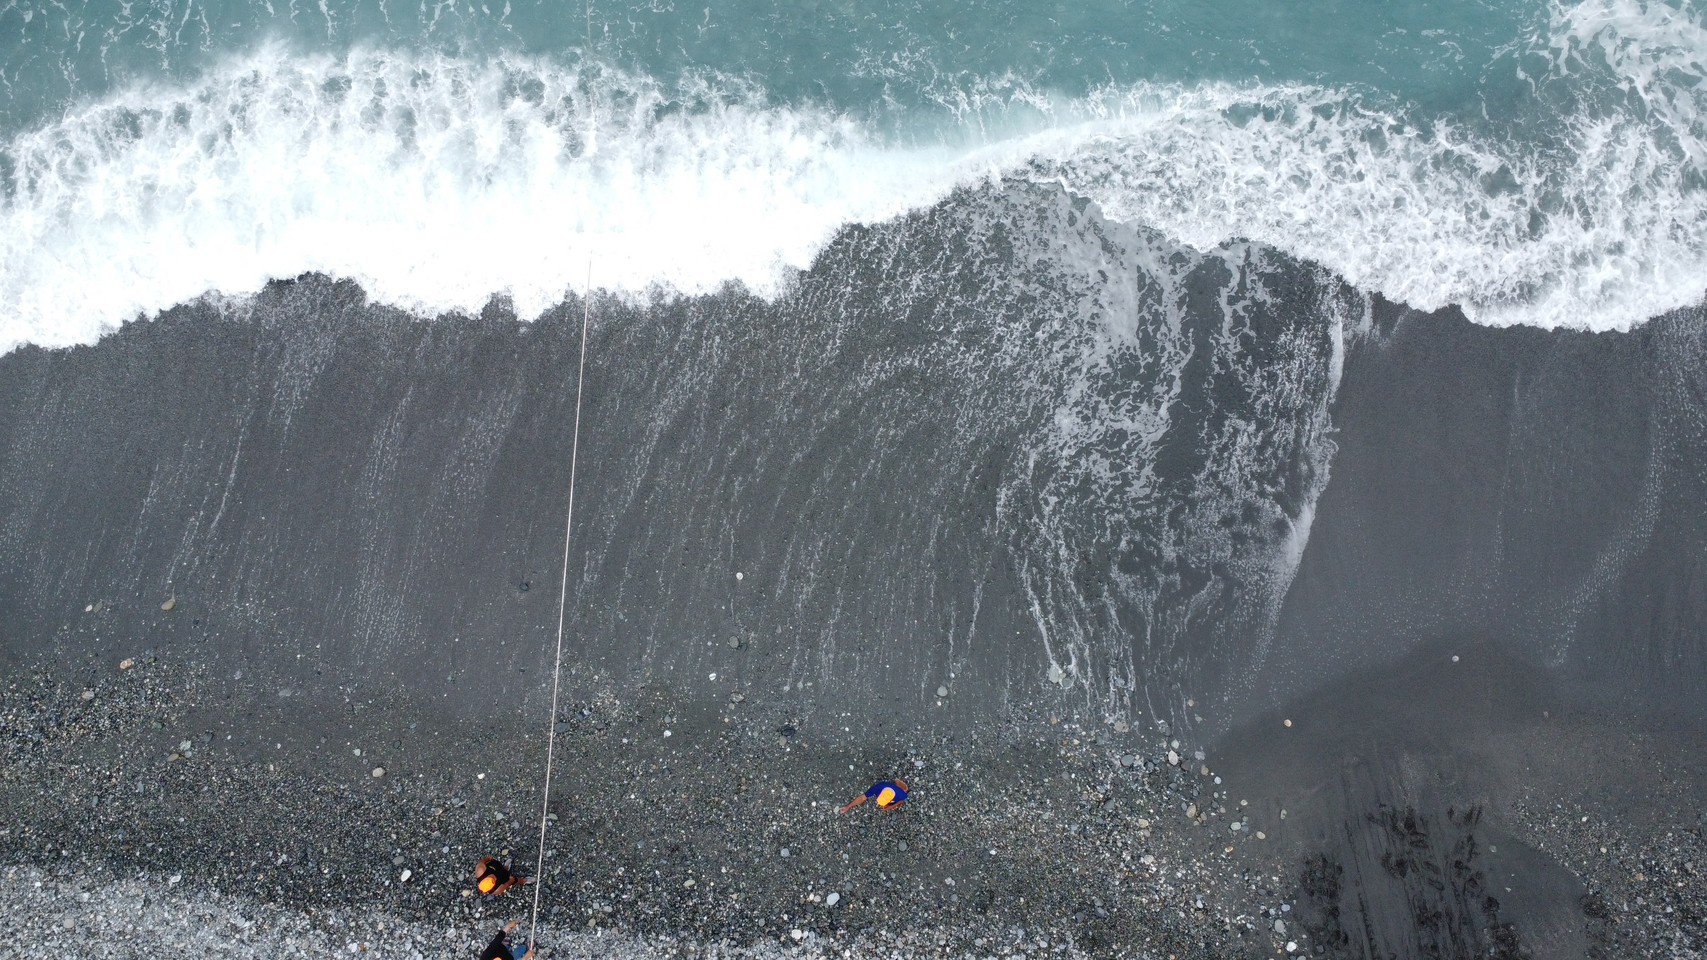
point(438, 182)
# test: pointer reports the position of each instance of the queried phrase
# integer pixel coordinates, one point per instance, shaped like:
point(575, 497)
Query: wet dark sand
point(1461, 804)
point(354, 518)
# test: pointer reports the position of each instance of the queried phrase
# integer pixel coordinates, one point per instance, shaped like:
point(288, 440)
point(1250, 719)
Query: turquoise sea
point(1533, 162)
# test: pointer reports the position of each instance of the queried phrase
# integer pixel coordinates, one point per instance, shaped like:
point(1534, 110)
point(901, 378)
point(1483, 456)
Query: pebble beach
point(702, 831)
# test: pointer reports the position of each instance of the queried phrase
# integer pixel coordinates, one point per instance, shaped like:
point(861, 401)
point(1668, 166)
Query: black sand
point(322, 527)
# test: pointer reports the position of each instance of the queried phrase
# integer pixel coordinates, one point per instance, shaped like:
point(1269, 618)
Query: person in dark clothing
point(492, 877)
point(501, 949)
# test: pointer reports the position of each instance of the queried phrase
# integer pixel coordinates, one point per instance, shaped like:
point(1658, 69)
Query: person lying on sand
point(889, 794)
point(492, 877)
point(500, 948)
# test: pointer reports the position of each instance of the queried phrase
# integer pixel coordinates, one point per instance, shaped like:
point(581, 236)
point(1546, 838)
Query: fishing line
point(563, 587)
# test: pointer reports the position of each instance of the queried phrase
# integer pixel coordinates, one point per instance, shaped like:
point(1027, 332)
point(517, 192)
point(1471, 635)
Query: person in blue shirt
point(889, 795)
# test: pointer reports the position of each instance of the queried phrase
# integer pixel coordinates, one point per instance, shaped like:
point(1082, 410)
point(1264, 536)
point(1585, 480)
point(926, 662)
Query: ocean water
point(1532, 162)
point(1123, 247)
point(1133, 370)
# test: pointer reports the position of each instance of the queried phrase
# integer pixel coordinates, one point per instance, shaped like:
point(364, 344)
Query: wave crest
point(439, 183)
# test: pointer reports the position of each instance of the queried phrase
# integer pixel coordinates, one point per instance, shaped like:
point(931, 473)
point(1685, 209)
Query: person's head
point(488, 883)
point(886, 798)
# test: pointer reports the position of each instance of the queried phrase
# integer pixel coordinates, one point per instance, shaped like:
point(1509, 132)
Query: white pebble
point(832, 899)
point(740, 576)
point(405, 877)
point(378, 772)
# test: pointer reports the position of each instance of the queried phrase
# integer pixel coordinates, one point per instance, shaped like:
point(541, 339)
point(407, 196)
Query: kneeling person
point(888, 794)
point(492, 877)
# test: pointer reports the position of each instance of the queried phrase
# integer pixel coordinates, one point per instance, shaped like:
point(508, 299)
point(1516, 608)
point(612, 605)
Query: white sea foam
point(1604, 235)
point(436, 184)
point(439, 183)
point(1599, 223)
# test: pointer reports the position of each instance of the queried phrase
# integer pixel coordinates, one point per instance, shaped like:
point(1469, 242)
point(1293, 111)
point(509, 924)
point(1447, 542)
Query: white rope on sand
point(563, 588)
point(562, 607)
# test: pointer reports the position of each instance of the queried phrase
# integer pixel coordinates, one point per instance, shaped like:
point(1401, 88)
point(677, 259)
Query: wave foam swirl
point(439, 183)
